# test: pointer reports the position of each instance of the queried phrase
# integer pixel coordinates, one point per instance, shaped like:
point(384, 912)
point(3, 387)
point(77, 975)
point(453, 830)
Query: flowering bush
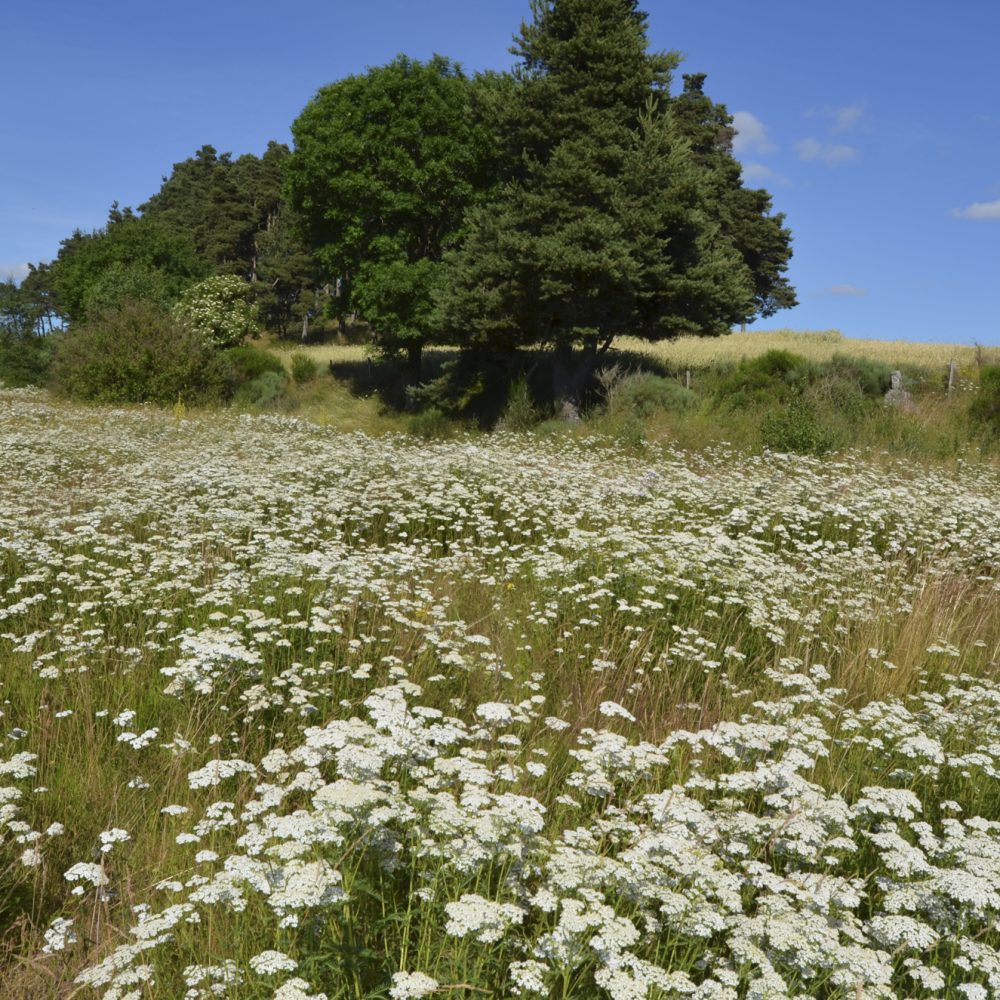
point(220, 310)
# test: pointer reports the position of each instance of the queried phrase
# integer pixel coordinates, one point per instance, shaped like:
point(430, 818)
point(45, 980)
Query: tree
point(130, 258)
point(24, 349)
point(203, 199)
point(284, 276)
point(38, 289)
point(235, 213)
point(744, 214)
point(602, 228)
point(384, 167)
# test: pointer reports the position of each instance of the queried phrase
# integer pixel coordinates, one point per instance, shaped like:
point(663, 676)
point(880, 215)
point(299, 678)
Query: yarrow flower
point(485, 919)
point(410, 985)
point(267, 963)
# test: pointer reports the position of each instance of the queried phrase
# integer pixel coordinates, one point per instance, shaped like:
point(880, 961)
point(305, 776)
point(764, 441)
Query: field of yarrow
point(289, 713)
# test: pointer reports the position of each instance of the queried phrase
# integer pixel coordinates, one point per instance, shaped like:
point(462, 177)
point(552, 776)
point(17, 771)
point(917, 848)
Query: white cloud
point(759, 172)
point(980, 210)
point(751, 136)
point(16, 271)
point(846, 290)
point(844, 119)
point(829, 153)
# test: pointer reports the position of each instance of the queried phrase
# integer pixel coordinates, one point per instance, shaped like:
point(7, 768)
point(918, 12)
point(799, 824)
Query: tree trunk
point(414, 360)
point(305, 326)
point(571, 375)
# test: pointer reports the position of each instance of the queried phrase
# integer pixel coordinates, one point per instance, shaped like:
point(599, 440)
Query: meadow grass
point(819, 346)
point(296, 712)
point(710, 352)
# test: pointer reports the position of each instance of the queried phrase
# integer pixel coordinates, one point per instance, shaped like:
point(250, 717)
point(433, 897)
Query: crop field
point(292, 713)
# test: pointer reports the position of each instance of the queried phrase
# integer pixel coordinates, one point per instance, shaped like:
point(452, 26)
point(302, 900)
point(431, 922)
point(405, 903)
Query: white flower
point(60, 934)
point(486, 919)
point(494, 711)
point(82, 871)
point(113, 836)
point(217, 771)
point(409, 985)
point(612, 709)
point(267, 963)
point(297, 989)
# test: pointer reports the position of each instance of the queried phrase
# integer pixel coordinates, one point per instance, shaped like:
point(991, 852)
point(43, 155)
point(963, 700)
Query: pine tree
point(743, 214)
point(602, 228)
point(202, 199)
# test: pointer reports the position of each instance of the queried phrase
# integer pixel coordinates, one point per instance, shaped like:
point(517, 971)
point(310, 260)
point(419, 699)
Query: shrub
point(304, 369)
point(220, 310)
point(248, 363)
point(775, 375)
point(873, 378)
point(262, 391)
point(24, 360)
point(642, 394)
point(520, 413)
point(430, 424)
point(985, 407)
point(797, 428)
point(134, 353)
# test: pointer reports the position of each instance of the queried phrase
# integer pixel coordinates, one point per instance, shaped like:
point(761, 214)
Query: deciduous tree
point(384, 166)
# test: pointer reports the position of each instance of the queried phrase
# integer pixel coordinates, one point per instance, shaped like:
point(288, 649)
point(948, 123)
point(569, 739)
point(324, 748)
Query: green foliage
point(135, 353)
point(24, 352)
point(873, 378)
point(220, 310)
point(262, 391)
point(248, 361)
point(776, 376)
point(798, 428)
point(24, 362)
point(520, 413)
point(643, 394)
point(743, 215)
point(243, 364)
point(985, 407)
point(130, 258)
point(204, 197)
point(235, 214)
point(384, 167)
point(431, 424)
point(603, 226)
point(396, 297)
point(304, 368)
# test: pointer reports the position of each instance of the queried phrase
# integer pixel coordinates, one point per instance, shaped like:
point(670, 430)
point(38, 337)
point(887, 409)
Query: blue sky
point(876, 125)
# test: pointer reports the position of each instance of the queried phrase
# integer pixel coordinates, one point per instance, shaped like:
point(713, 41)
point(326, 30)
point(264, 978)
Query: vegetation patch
point(397, 717)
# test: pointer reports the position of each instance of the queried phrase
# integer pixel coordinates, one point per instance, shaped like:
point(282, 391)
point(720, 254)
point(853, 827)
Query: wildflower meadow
point(297, 714)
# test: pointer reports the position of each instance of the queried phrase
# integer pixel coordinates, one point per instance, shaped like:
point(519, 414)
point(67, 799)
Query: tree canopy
point(131, 258)
point(562, 204)
point(605, 225)
point(385, 165)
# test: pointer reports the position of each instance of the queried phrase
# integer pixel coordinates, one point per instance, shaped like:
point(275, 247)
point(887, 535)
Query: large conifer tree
point(602, 227)
point(744, 214)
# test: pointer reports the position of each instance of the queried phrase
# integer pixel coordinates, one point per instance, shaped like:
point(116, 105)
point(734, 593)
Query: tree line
point(569, 201)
